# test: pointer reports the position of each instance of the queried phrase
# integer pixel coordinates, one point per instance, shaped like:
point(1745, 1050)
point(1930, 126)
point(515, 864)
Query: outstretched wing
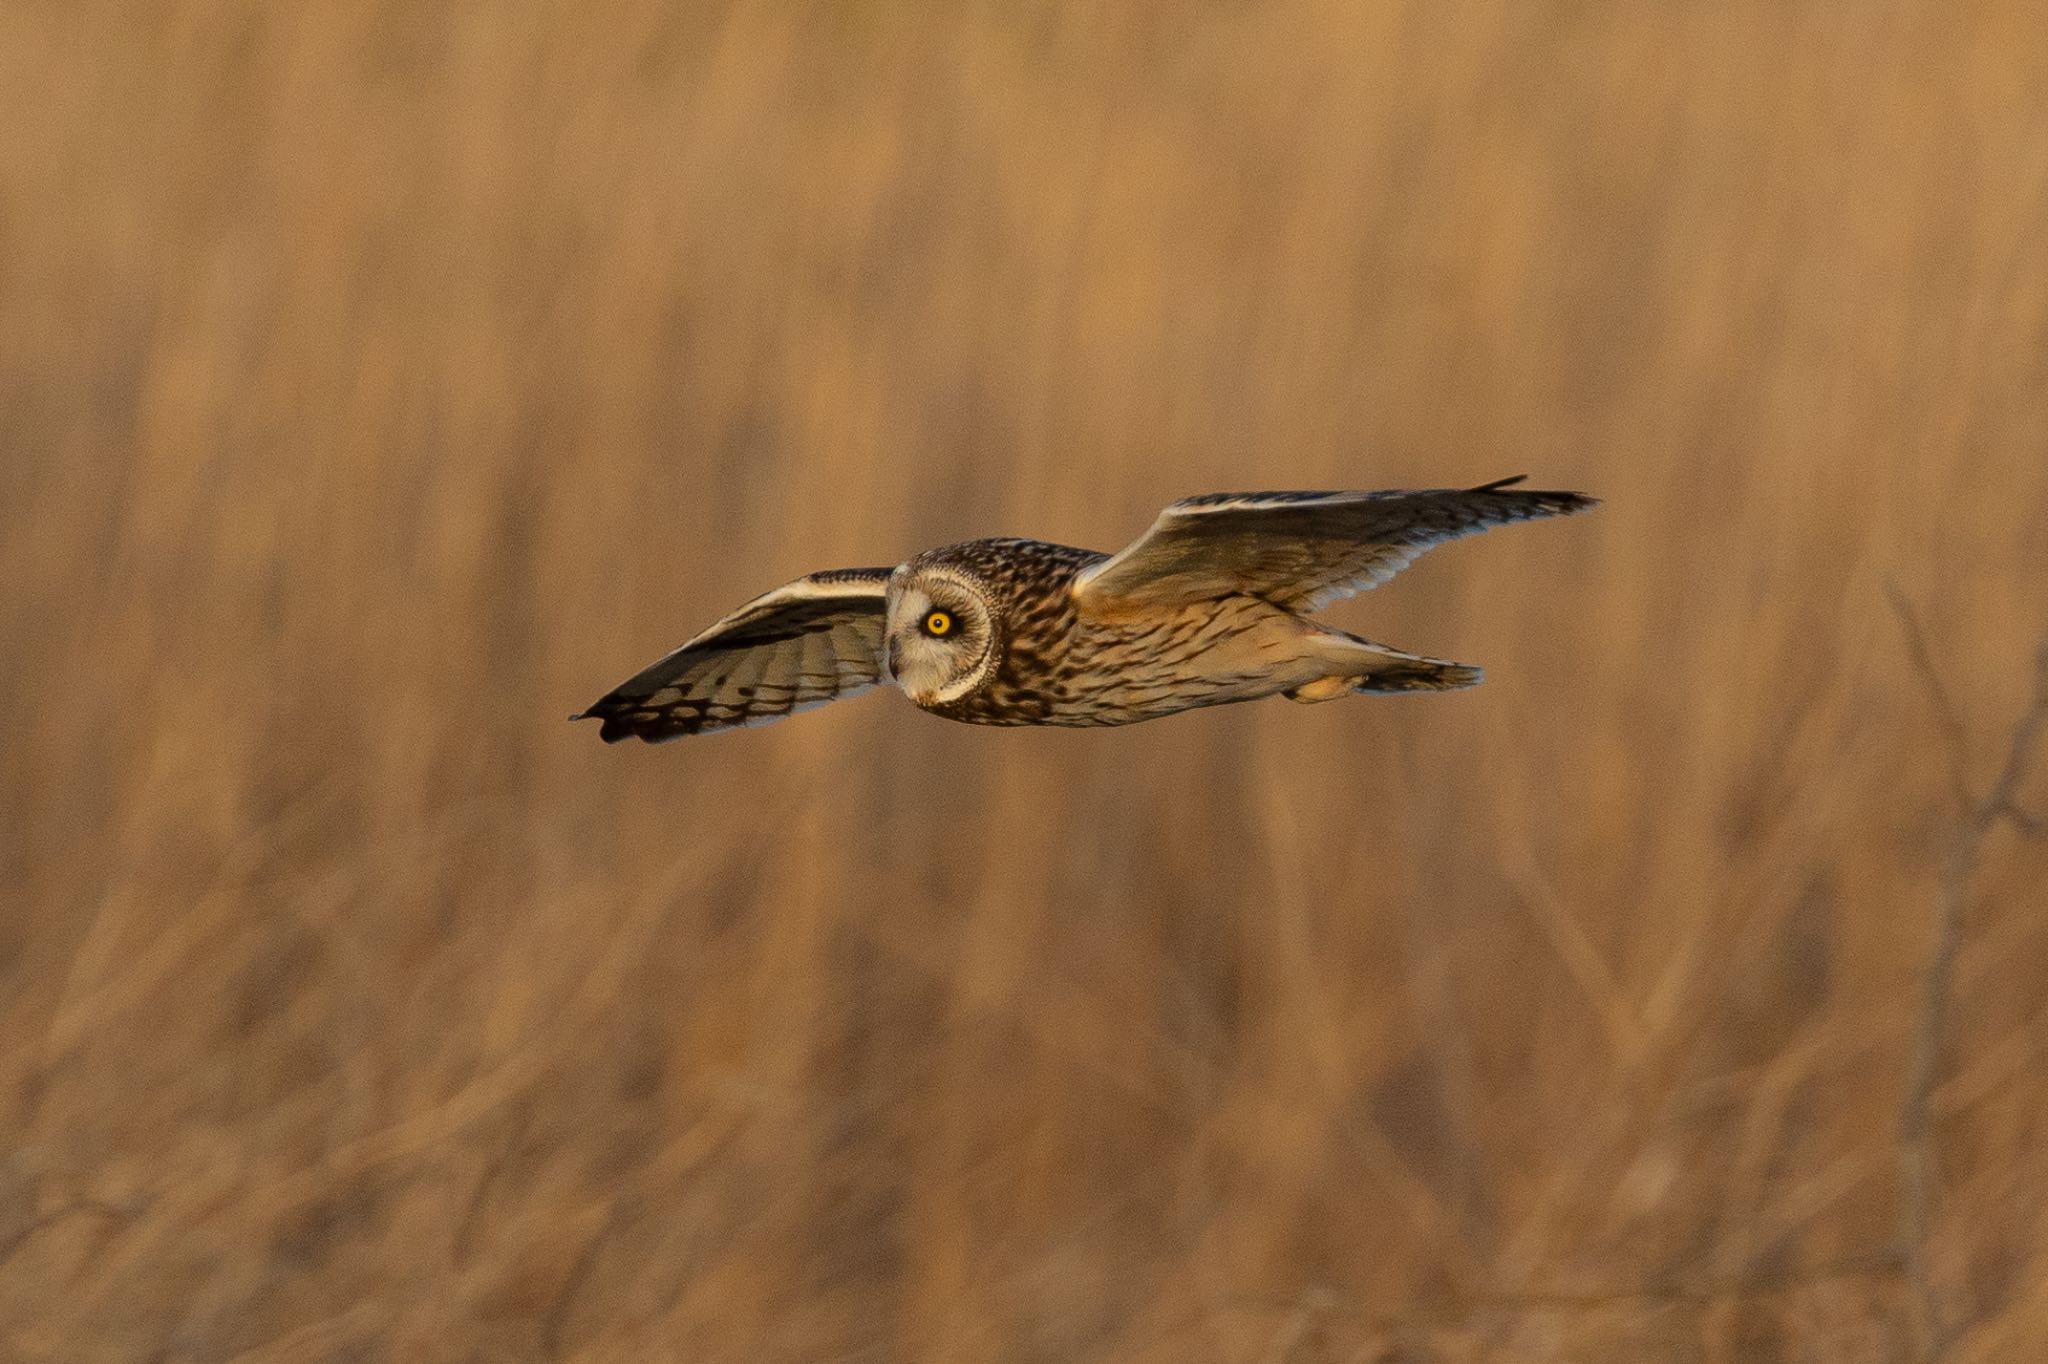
point(815, 640)
point(1300, 550)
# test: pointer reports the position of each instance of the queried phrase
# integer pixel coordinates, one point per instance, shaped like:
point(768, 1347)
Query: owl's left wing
point(1300, 550)
point(808, 642)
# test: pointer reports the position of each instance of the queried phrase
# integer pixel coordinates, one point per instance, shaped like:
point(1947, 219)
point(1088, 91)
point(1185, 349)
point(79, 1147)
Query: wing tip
point(1546, 501)
point(612, 727)
point(1566, 503)
point(616, 731)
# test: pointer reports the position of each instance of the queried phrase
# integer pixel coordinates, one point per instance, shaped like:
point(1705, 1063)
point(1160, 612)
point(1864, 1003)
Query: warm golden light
point(381, 382)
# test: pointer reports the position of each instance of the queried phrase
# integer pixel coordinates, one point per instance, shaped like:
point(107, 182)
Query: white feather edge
point(808, 588)
point(1196, 506)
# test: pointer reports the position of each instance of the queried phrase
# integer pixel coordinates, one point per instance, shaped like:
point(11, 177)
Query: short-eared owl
point(1206, 607)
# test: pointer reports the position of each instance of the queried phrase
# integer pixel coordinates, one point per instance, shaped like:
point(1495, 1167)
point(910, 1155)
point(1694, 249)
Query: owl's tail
point(1368, 668)
point(1423, 674)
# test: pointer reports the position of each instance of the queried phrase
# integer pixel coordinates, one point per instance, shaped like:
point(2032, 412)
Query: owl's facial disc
point(940, 636)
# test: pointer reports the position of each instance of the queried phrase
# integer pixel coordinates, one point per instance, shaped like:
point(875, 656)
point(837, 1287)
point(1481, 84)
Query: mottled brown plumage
point(1204, 609)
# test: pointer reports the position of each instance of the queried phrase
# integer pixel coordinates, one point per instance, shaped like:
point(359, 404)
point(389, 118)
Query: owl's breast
point(1090, 673)
point(1034, 681)
point(1060, 670)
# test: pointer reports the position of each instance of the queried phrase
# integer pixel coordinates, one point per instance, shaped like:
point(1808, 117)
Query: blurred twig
point(1999, 804)
point(342, 1335)
point(1954, 746)
point(1313, 1303)
point(117, 1215)
point(1460, 1311)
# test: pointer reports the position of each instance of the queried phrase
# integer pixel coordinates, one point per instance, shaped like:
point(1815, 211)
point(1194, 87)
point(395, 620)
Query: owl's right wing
point(808, 642)
point(1299, 550)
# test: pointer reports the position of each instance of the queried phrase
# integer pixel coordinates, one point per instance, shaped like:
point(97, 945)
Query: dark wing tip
point(1562, 502)
point(614, 727)
point(1539, 501)
point(1568, 503)
point(618, 728)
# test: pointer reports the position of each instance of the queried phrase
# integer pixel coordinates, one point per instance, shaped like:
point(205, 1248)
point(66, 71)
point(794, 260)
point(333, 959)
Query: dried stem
point(2000, 804)
point(1299, 1316)
point(1954, 743)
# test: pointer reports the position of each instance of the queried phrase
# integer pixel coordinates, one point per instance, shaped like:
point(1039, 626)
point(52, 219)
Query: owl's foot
point(1322, 689)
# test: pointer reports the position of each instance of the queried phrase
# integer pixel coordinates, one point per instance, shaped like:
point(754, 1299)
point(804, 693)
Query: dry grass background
point(381, 381)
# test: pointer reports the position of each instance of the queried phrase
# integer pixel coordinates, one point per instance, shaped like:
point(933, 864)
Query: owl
point(1209, 606)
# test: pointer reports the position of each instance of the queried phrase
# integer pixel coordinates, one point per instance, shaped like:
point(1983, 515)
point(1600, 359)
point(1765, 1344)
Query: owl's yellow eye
point(938, 623)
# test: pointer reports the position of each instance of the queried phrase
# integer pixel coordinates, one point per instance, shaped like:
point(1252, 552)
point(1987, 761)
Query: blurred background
point(380, 382)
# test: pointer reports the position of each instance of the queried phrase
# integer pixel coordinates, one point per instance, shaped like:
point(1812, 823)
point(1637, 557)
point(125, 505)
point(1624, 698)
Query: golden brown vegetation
point(379, 382)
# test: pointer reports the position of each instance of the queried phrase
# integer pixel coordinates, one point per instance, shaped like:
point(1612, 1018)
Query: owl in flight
point(1207, 607)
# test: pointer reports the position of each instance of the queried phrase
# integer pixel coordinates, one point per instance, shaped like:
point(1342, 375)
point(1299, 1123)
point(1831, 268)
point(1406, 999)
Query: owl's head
point(944, 639)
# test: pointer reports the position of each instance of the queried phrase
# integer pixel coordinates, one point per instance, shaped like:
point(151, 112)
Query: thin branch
point(1313, 1303)
point(1952, 732)
point(1998, 805)
point(1459, 1312)
point(554, 1326)
point(1704, 1293)
point(120, 1217)
point(2002, 802)
point(2029, 825)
